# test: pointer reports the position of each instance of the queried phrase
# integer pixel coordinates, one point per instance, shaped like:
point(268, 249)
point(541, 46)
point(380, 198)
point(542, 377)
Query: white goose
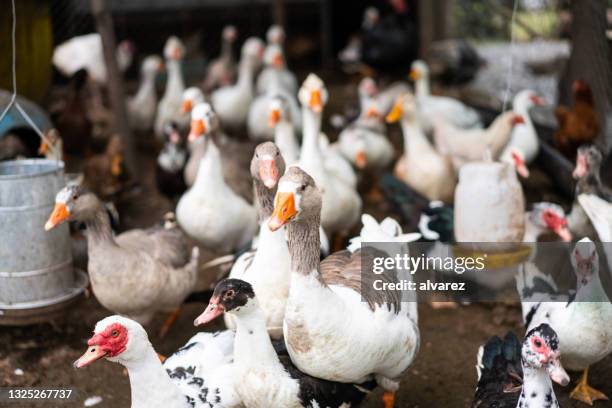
point(276, 62)
point(169, 108)
point(280, 119)
point(257, 125)
point(232, 102)
point(341, 203)
point(142, 107)
point(421, 166)
point(191, 97)
point(200, 374)
point(432, 106)
point(578, 319)
point(326, 320)
point(222, 71)
point(210, 211)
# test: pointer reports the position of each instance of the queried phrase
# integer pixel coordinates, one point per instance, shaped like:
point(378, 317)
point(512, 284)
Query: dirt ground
point(443, 375)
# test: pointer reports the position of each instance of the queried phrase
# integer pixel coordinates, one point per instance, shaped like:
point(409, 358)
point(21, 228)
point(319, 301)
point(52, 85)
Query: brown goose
point(136, 273)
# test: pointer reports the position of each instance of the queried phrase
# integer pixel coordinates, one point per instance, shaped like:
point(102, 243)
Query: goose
point(432, 106)
point(341, 203)
point(275, 65)
point(155, 264)
point(466, 145)
point(257, 125)
point(280, 119)
point(265, 375)
point(232, 102)
point(222, 71)
point(142, 107)
point(210, 211)
point(421, 166)
point(268, 267)
point(198, 375)
point(524, 136)
point(505, 367)
point(325, 319)
point(587, 173)
point(171, 163)
point(584, 340)
point(169, 107)
point(335, 163)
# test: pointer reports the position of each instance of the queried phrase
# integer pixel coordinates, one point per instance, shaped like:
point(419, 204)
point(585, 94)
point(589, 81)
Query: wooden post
point(279, 13)
point(104, 25)
point(326, 34)
point(590, 60)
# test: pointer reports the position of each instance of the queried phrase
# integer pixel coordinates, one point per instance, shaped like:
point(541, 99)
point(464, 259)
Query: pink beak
point(268, 172)
point(212, 311)
point(564, 233)
point(581, 167)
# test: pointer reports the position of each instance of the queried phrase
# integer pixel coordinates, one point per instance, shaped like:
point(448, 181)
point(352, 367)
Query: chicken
point(579, 125)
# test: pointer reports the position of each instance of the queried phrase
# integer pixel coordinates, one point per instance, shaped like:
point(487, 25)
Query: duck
point(325, 318)
point(210, 211)
point(171, 163)
point(232, 102)
point(268, 266)
point(587, 173)
point(222, 71)
point(466, 145)
point(256, 357)
point(341, 203)
point(275, 65)
point(432, 106)
point(162, 270)
point(142, 107)
point(546, 217)
point(280, 119)
point(514, 374)
point(86, 52)
point(524, 136)
point(257, 126)
point(364, 142)
point(421, 166)
point(584, 340)
point(105, 173)
point(199, 374)
point(169, 107)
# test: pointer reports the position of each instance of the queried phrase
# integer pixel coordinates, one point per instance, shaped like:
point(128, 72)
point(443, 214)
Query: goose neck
point(304, 245)
point(175, 76)
point(265, 198)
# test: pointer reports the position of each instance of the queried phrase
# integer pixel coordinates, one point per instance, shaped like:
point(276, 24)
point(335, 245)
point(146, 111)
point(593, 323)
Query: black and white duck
point(506, 367)
point(171, 163)
point(264, 373)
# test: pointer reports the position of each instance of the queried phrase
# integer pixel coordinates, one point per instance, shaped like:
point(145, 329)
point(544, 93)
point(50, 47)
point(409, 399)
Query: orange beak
point(284, 209)
point(268, 172)
point(414, 75)
point(361, 160)
point(396, 112)
point(273, 117)
point(277, 60)
point(92, 354)
point(537, 100)
point(60, 214)
point(315, 101)
point(186, 106)
point(116, 165)
point(198, 127)
point(44, 148)
point(372, 113)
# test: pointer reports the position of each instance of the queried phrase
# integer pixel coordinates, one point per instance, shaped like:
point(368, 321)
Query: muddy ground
point(443, 375)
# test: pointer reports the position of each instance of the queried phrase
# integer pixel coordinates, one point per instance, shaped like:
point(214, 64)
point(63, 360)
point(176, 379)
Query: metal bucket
point(36, 273)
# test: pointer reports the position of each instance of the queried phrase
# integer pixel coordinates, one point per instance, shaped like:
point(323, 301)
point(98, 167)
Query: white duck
point(578, 319)
point(467, 145)
point(232, 102)
point(222, 71)
point(265, 375)
point(142, 107)
point(268, 267)
point(257, 125)
point(275, 65)
point(364, 142)
point(169, 108)
point(280, 119)
point(388, 230)
point(341, 203)
point(432, 106)
point(210, 211)
point(524, 136)
point(326, 320)
point(85, 52)
point(200, 374)
point(421, 166)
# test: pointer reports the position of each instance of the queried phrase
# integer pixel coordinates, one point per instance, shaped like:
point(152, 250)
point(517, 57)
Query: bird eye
point(302, 188)
point(229, 293)
point(538, 343)
point(115, 333)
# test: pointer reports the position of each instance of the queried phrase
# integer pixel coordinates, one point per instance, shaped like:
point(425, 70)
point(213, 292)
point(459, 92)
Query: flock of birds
point(299, 334)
